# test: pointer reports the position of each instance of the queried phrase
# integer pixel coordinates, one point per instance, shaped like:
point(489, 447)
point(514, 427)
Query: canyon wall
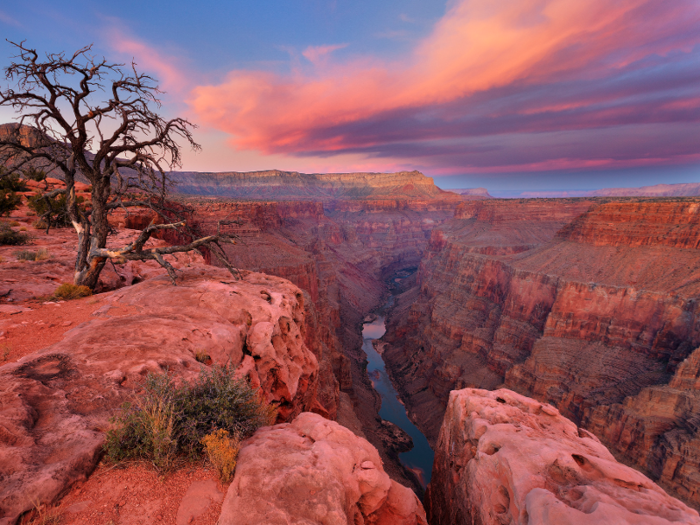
point(289, 185)
point(590, 306)
point(340, 253)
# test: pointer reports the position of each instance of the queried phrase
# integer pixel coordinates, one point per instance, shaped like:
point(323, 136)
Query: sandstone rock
point(196, 501)
point(505, 297)
point(503, 458)
point(315, 471)
point(55, 404)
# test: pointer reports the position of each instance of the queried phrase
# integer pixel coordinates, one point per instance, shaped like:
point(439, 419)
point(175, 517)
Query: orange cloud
point(478, 45)
point(162, 67)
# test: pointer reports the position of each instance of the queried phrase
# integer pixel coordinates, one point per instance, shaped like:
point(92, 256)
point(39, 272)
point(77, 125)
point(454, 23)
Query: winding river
point(420, 458)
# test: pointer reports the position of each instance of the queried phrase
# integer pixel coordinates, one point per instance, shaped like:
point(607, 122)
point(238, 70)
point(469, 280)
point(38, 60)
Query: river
point(420, 458)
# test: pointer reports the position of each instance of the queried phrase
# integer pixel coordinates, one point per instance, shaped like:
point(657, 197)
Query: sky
point(514, 95)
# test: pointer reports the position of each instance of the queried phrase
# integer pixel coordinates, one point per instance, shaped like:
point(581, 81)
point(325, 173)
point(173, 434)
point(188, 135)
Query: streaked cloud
point(484, 90)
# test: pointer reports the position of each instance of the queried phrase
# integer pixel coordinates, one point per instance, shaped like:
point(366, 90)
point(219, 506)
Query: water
point(420, 458)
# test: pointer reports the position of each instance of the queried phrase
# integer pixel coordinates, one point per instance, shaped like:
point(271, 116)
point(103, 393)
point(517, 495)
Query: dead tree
point(82, 116)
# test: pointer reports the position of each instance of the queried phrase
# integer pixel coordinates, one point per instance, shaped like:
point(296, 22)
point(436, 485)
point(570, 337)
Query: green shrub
point(11, 182)
point(168, 419)
point(9, 201)
point(9, 237)
point(34, 174)
point(69, 291)
point(56, 207)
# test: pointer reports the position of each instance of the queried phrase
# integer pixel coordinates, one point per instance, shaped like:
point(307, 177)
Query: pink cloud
point(149, 60)
point(477, 46)
point(319, 55)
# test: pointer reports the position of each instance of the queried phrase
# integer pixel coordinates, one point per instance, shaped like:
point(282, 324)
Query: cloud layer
point(497, 86)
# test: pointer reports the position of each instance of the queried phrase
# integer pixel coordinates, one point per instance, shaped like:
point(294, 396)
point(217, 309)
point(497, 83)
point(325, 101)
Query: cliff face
point(596, 319)
point(275, 185)
point(340, 256)
point(55, 403)
point(502, 458)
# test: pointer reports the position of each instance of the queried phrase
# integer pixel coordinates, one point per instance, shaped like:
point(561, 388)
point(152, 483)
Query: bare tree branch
point(85, 117)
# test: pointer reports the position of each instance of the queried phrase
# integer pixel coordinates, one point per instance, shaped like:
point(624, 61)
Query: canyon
point(587, 306)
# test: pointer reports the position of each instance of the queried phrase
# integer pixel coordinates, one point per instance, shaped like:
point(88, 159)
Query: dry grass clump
point(222, 452)
point(69, 291)
point(167, 420)
point(41, 254)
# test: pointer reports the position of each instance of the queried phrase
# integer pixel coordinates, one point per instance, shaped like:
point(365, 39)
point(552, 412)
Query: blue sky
point(514, 95)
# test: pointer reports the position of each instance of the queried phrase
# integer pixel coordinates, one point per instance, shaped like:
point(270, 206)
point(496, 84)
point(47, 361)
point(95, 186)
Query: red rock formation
point(589, 319)
point(286, 185)
point(55, 403)
point(315, 471)
point(340, 255)
point(503, 458)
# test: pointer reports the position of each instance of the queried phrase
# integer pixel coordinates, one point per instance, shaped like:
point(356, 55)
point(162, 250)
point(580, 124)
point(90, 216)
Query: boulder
point(503, 458)
point(314, 471)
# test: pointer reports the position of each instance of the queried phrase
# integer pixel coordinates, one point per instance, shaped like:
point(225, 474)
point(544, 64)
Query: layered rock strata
point(503, 458)
point(315, 471)
point(55, 404)
point(291, 185)
point(592, 307)
point(340, 253)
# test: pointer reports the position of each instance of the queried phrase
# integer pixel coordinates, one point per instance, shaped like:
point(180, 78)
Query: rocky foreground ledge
point(55, 404)
point(503, 458)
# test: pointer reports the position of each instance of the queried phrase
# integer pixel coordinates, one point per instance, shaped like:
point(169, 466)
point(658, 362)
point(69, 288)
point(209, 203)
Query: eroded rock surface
point(503, 458)
point(592, 306)
point(315, 471)
point(55, 403)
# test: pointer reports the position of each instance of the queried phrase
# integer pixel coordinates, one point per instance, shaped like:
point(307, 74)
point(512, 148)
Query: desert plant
point(69, 291)
point(5, 352)
point(53, 209)
point(10, 237)
point(41, 254)
point(11, 182)
point(222, 452)
point(167, 419)
point(217, 400)
point(32, 173)
point(9, 201)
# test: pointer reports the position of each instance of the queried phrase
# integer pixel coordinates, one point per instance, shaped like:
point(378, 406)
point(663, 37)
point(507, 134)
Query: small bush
point(168, 419)
point(14, 223)
point(40, 224)
point(11, 182)
point(34, 174)
point(9, 201)
point(222, 452)
point(9, 237)
point(55, 207)
point(41, 254)
point(69, 291)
